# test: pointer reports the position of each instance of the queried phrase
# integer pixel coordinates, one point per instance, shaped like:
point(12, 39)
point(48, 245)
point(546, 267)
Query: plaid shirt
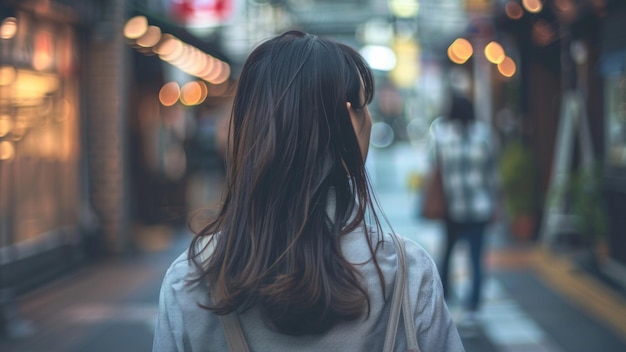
point(468, 168)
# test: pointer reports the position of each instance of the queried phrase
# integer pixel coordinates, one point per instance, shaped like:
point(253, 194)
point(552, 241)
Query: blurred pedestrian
point(290, 255)
point(464, 148)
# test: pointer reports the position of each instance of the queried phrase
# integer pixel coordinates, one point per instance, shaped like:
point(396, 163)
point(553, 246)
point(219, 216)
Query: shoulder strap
point(401, 301)
point(230, 322)
point(234, 334)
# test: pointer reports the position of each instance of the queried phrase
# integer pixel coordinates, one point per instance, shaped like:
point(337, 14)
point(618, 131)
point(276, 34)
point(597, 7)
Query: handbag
point(400, 303)
point(434, 201)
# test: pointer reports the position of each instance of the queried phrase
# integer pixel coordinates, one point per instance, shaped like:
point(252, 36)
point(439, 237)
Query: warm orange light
point(532, 6)
point(462, 49)
point(166, 40)
point(43, 55)
point(136, 27)
point(452, 56)
point(494, 52)
point(185, 57)
point(150, 38)
point(171, 50)
point(205, 91)
point(191, 93)
point(216, 72)
point(8, 28)
point(209, 64)
point(48, 145)
point(31, 85)
point(223, 75)
point(199, 64)
point(6, 125)
point(65, 111)
point(7, 151)
point(20, 126)
point(7, 75)
point(513, 10)
point(169, 93)
point(507, 67)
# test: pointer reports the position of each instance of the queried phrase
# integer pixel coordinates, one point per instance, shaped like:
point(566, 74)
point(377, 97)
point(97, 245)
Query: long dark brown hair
point(295, 183)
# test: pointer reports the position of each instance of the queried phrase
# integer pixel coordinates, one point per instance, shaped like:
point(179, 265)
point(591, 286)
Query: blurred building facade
point(612, 69)
point(43, 191)
point(88, 146)
point(567, 100)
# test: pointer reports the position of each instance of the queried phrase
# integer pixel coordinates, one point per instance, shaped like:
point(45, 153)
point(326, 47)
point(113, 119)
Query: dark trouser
point(473, 232)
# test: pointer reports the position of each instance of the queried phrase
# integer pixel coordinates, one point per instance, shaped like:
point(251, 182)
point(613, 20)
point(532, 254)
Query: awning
point(168, 26)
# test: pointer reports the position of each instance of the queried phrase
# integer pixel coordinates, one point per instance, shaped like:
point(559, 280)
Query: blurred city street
point(114, 124)
point(534, 300)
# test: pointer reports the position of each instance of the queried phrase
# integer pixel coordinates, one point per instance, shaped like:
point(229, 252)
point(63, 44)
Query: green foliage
point(582, 197)
point(518, 175)
point(584, 192)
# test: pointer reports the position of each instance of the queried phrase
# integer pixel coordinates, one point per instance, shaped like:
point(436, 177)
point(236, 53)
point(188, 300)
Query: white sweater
point(183, 326)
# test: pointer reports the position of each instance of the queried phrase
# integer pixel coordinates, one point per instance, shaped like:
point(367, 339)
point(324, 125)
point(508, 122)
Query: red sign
point(201, 11)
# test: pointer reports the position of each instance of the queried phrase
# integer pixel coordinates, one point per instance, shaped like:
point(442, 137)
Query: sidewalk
point(107, 306)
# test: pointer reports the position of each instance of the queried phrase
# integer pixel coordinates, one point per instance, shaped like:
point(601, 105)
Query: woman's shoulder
point(179, 270)
point(181, 317)
point(181, 283)
point(416, 255)
point(420, 266)
point(421, 272)
point(185, 267)
point(418, 258)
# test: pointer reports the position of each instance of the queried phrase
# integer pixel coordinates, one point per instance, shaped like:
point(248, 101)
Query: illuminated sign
point(198, 12)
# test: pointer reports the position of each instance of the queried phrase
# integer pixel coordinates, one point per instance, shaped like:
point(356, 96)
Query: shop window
point(39, 131)
point(39, 163)
point(615, 95)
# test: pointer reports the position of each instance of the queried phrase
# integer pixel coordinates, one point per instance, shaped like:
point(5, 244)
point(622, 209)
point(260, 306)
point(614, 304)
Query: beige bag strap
point(400, 301)
point(230, 322)
point(234, 334)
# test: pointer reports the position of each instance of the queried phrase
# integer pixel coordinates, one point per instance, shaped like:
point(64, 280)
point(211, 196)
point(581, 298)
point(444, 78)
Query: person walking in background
point(464, 149)
point(290, 254)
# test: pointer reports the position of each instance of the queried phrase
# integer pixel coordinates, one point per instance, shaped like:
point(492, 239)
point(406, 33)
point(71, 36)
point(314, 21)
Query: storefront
point(40, 185)
point(613, 70)
point(181, 89)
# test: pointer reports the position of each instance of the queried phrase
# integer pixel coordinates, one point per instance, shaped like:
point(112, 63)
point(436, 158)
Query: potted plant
point(518, 177)
point(586, 203)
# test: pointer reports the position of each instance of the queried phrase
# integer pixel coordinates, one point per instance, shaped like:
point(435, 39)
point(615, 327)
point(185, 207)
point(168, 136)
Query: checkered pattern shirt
point(468, 167)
